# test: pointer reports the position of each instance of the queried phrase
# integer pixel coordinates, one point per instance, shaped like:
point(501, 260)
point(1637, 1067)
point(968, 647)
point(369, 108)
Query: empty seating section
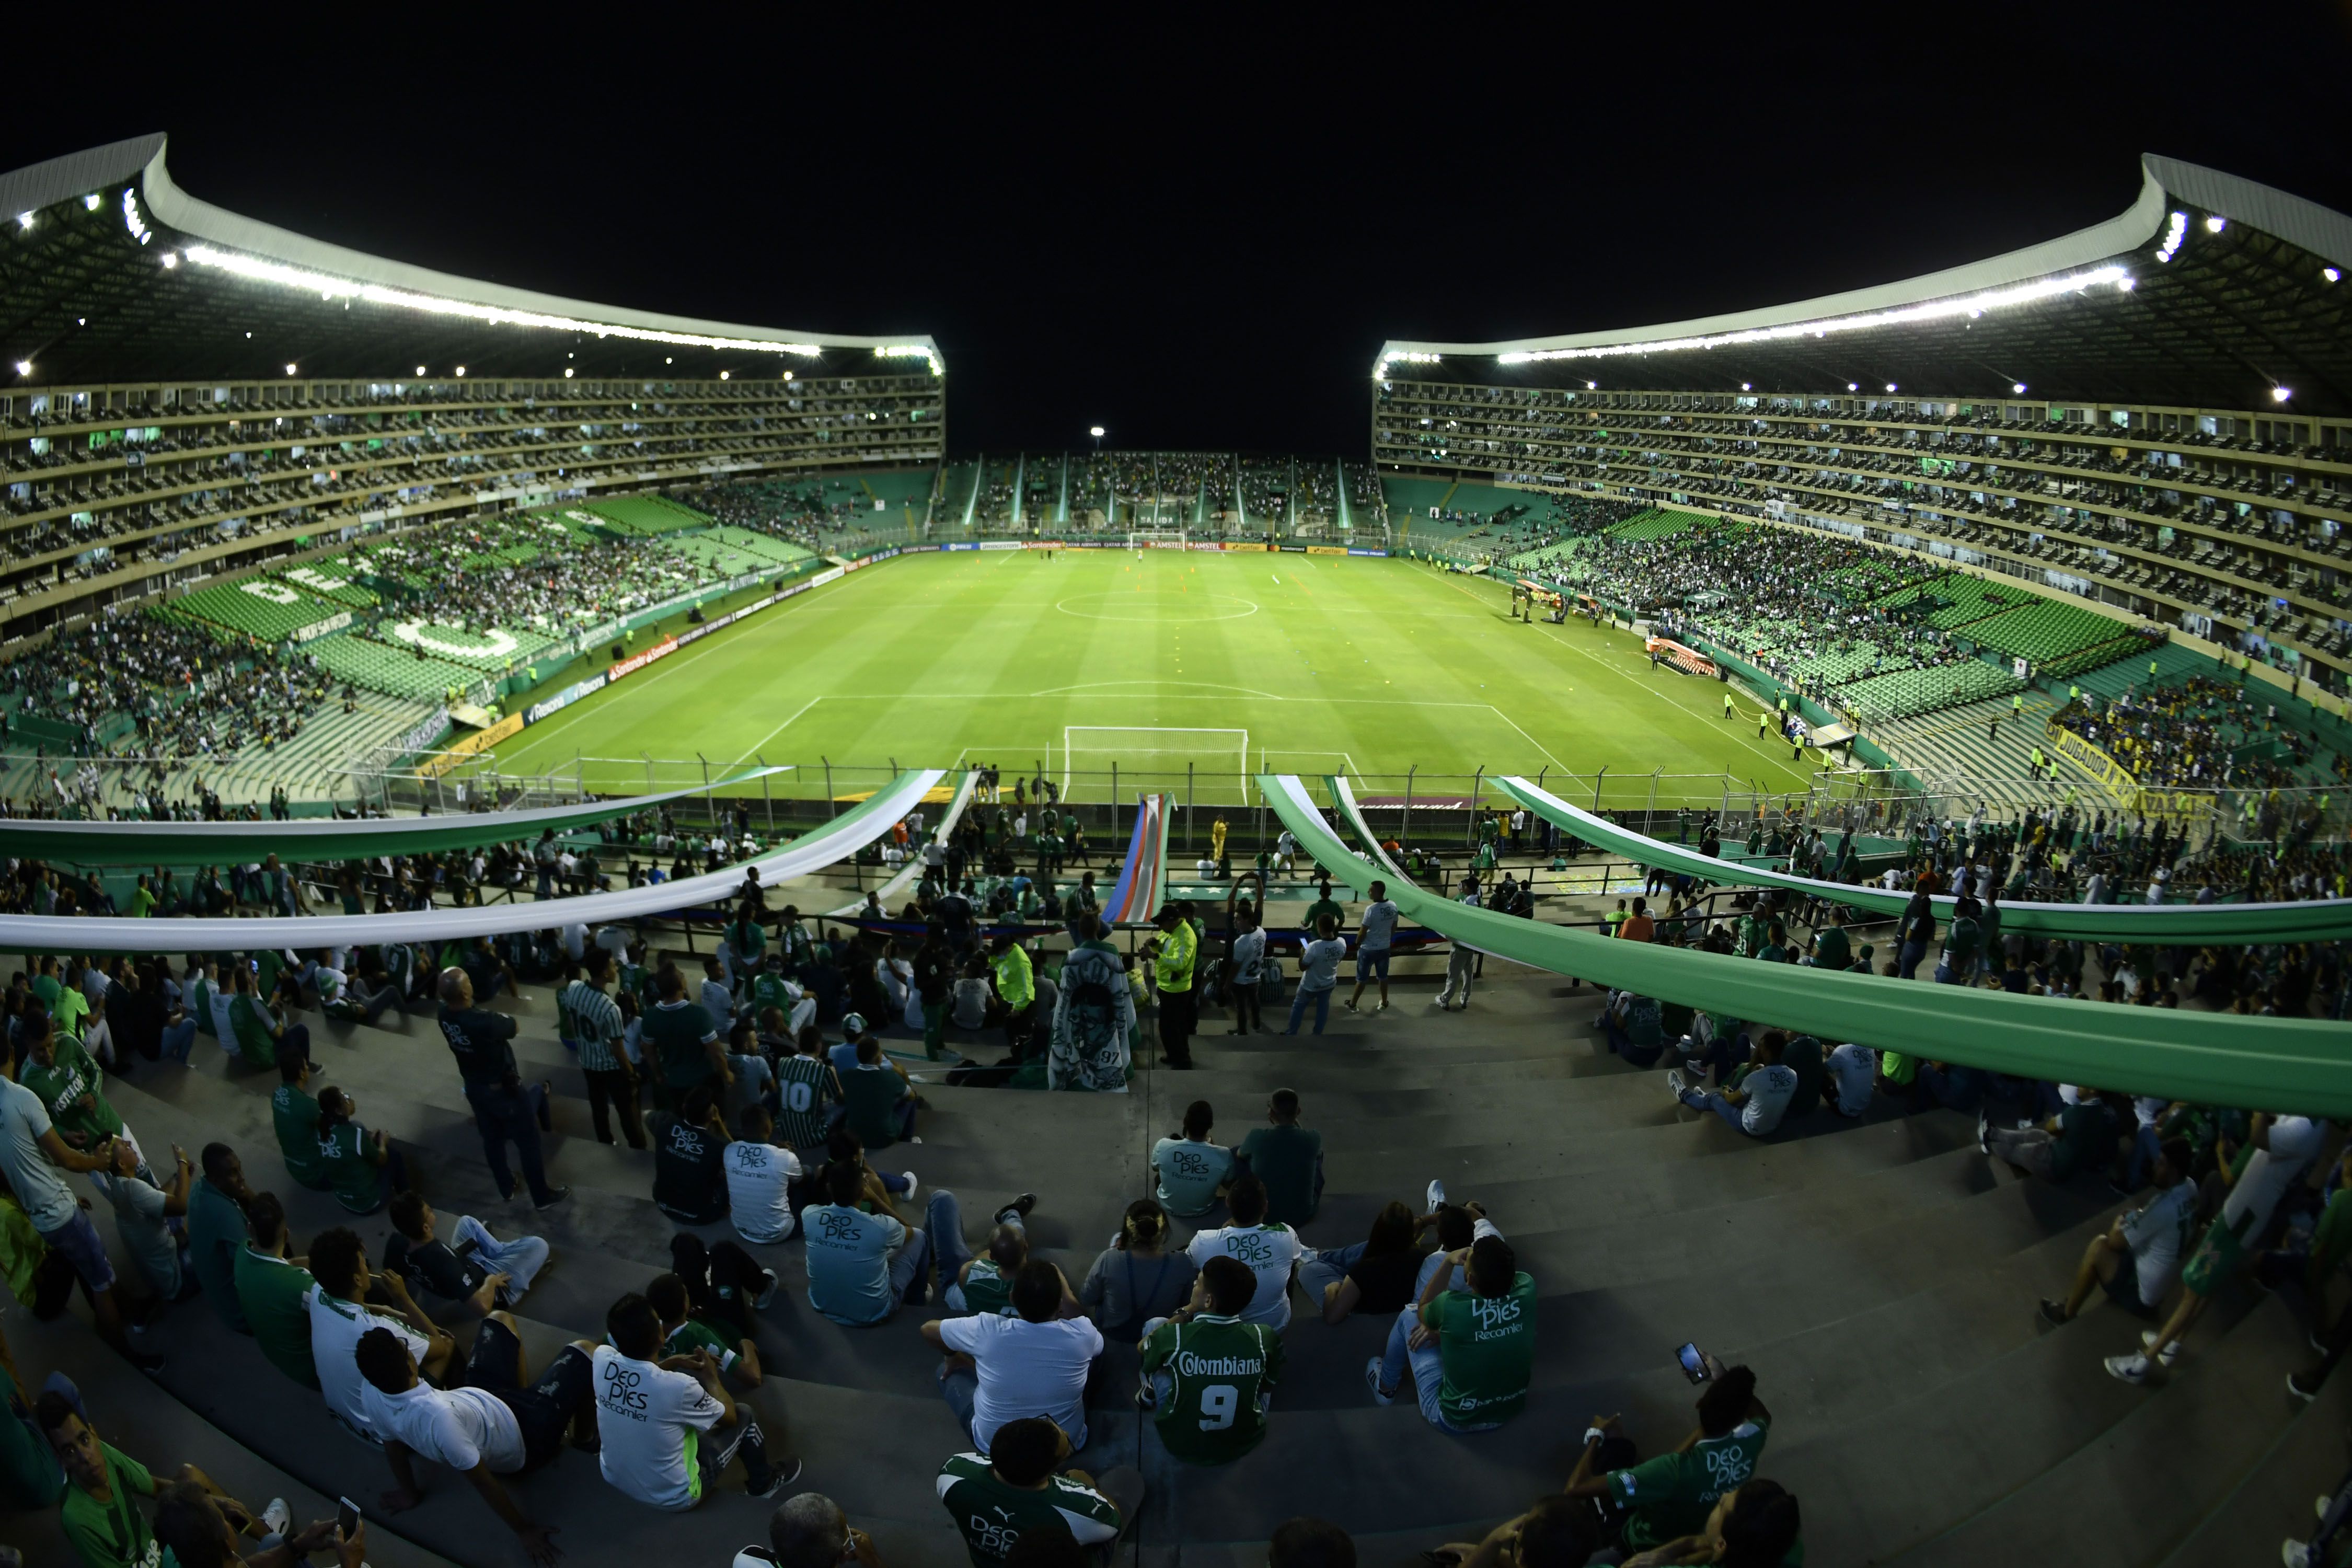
point(1655, 525)
point(258, 607)
point(2058, 640)
point(1957, 598)
point(332, 579)
point(779, 552)
point(643, 514)
point(366, 662)
point(1903, 692)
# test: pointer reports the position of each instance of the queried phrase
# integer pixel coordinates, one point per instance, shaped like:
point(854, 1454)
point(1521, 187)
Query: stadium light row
point(2153, 414)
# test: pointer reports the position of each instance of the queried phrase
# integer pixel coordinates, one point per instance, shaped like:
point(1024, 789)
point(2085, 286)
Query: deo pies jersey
point(992, 1514)
point(1487, 1347)
point(1214, 1375)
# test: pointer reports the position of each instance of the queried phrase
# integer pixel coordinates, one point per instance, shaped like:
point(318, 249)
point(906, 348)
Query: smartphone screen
point(346, 1517)
point(1693, 1361)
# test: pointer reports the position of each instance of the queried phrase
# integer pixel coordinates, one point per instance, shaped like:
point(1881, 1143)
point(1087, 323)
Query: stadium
point(1826, 825)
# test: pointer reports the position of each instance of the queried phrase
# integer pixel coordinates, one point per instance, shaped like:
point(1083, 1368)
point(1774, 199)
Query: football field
point(1219, 664)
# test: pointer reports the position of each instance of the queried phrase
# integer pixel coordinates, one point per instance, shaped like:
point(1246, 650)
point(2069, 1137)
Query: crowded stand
point(2203, 733)
point(752, 1091)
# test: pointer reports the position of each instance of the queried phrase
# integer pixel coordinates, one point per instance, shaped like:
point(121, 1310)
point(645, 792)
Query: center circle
point(1115, 606)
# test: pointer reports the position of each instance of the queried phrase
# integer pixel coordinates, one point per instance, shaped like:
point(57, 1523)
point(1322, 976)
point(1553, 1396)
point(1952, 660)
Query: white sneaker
point(2148, 1347)
point(278, 1515)
point(2296, 1555)
point(1436, 1196)
point(913, 1185)
point(1677, 1083)
point(2131, 1369)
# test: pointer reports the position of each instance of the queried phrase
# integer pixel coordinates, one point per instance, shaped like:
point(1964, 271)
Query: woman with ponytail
point(1141, 1276)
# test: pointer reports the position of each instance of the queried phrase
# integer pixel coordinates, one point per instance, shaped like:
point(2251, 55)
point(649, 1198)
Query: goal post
point(1157, 539)
point(1154, 756)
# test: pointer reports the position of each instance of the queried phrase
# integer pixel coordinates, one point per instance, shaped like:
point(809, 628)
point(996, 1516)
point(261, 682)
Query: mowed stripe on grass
point(943, 657)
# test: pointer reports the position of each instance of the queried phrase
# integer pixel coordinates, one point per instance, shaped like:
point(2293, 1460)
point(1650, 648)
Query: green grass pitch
point(1313, 663)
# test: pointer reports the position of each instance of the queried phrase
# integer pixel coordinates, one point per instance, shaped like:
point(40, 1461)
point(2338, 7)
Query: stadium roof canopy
point(2209, 291)
point(109, 272)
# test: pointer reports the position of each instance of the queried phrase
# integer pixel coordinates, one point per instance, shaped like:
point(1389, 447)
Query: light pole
point(1097, 432)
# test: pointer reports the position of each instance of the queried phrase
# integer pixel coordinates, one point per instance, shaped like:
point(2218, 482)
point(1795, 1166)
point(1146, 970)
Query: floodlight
point(2281, 393)
point(171, 259)
point(461, 370)
point(2330, 274)
point(2017, 386)
point(290, 369)
point(1095, 431)
point(2216, 224)
point(1745, 387)
point(1853, 386)
point(1890, 387)
point(2127, 284)
point(24, 367)
point(1591, 386)
point(567, 373)
point(89, 202)
point(420, 369)
point(669, 359)
point(24, 220)
point(723, 374)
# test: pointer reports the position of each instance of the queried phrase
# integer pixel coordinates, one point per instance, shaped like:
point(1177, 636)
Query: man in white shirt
point(1373, 937)
point(339, 1320)
point(2138, 1255)
point(493, 1425)
point(759, 1176)
point(1272, 1251)
point(1001, 1369)
point(1757, 1106)
point(1854, 1071)
point(1318, 975)
point(2284, 1147)
point(645, 1409)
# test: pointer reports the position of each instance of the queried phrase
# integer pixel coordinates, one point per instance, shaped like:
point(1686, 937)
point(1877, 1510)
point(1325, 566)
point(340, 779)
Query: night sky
point(1198, 232)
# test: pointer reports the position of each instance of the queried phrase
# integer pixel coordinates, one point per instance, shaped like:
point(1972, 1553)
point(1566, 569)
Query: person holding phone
point(1674, 1494)
point(203, 1529)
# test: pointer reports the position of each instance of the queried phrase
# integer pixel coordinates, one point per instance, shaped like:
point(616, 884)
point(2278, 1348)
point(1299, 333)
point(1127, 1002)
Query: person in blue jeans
point(864, 1261)
point(1318, 975)
point(1471, 1352)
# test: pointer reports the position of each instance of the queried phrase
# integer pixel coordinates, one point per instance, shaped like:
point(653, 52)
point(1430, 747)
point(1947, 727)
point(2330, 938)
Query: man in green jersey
point(1472, 1353)
point(58, 1070)
point(295, 1114)
point(997, 1497)
point(99, 1509)
point(1210, 1375)
point(257, 1035)
point(1672, 1494)
point(681, 1038)
point(272, 1291)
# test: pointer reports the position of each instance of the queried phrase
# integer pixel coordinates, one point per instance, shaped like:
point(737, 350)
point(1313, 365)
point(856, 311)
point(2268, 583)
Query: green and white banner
point(2208, 1059)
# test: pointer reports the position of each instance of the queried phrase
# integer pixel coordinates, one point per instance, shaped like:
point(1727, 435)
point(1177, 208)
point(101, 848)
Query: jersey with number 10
point(1214, 1375)
point(804, 1086)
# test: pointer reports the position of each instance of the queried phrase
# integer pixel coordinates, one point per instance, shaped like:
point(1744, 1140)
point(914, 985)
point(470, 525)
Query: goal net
point(1095, 759)
point(1156, 539)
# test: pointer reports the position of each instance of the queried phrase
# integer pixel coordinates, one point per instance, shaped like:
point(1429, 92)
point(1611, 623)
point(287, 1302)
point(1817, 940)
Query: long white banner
point(836, 840)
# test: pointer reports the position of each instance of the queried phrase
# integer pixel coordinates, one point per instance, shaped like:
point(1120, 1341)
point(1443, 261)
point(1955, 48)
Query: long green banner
point(2310, 919)
point(2260, 1064)
point(317, 837)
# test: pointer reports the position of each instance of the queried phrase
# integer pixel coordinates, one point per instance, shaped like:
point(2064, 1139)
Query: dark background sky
point(1197, 228)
